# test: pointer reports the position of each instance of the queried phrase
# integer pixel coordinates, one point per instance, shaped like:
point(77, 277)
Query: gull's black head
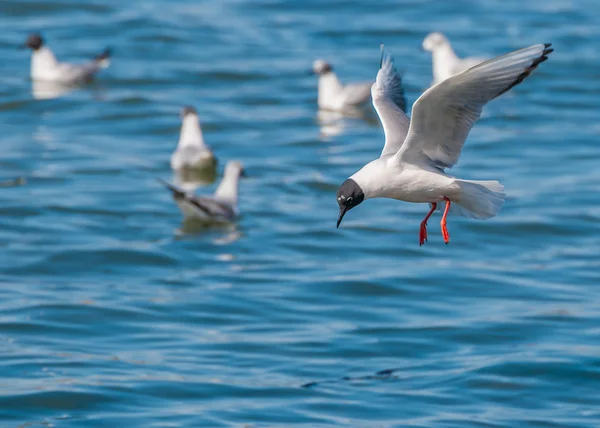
point(34, 41)
point(349, 195)
point(187, 110)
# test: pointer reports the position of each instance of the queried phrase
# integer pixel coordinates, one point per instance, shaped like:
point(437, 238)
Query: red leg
point(445, 233)
point(423, 229)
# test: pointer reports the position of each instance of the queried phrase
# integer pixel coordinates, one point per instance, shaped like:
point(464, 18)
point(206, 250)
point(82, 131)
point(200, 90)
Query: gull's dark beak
point(343, 211)
point(243, 173)
point(310, 72)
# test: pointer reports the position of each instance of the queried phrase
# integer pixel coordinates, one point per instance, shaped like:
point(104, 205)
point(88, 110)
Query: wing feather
point(443, 116)
point(390, 103)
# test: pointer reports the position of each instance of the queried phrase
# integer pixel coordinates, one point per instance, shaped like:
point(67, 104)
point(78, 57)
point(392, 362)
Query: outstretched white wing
point(443, 116)
point(389, 102)
point(465, 63)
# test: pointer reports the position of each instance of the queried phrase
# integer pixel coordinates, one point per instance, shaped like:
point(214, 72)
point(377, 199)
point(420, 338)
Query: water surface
point(111, 315)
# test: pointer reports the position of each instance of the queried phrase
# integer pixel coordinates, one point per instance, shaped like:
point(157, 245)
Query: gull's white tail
point(478, 199)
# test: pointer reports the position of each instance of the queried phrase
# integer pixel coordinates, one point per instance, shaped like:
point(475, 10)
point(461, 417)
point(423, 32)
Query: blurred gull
point(219, 208)
point(416, 151)
point(45, 66)
point(444, 60)
point(334, 96)
point(191, 153)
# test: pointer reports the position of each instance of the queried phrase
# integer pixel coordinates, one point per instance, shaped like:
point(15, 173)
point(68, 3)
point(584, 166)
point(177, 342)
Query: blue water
point(112, 314)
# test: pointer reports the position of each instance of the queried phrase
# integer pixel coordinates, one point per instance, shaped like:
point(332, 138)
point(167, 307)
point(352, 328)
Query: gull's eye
point(349, 199)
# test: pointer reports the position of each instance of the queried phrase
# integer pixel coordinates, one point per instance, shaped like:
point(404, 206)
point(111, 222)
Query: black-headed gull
point(218, 208)
point(192, 152)
point(418, 150)
point(334, 96)
point(45, 66)
point(445, 62)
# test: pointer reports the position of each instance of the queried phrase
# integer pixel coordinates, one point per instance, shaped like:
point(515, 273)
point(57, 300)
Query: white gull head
point(320, 67)
point(435, 41)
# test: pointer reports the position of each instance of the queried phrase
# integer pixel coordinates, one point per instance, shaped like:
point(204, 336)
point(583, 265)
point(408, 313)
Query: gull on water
point(418, 150)
point(334, 96)
point(218, 208)
point(45, 66)
point(192, 152)
point(444, 61)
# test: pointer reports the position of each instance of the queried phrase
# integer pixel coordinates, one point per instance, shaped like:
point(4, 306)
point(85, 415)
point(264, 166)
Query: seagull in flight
point(334, 96)
point(418, 150)
point(444, 61)
point(45, 67)
point(219, 208)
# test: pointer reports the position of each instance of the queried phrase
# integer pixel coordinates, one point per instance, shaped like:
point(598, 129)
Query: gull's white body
point(192, 152)
point(45, 67)
point(445, 62)
point(416, 152)
point(387, 178)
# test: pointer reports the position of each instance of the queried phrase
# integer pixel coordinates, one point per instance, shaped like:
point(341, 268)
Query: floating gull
point(221, 207)
point(444, 60)
point(337, 97)
point(416, 151)
point(45, 66)
point(191, 153)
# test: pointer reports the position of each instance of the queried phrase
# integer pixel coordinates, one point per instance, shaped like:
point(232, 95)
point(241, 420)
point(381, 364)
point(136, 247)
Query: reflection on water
point(41, 90)
point(226, 232)
point(333, 123)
